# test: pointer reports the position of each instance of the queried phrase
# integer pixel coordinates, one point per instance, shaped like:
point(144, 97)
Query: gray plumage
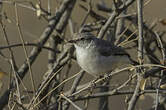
point(97, 56)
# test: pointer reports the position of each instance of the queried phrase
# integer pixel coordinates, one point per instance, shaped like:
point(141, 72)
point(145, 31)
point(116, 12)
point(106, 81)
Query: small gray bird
point(97, 56)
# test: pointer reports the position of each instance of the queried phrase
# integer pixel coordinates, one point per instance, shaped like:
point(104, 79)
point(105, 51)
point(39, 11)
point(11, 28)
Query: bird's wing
point(106, 49)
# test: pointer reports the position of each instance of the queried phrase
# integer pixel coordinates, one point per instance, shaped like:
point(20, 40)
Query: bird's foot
point(106, 77)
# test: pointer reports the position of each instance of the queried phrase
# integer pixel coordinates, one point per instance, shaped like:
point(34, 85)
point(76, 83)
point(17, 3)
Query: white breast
point(95, 64)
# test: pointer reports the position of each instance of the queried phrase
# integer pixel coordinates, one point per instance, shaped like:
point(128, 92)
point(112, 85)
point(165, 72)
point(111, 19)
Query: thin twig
point(88, 12)
point(36, 50)
point(13, 64)
point(117, 92)
point(61, 61)
point(24, 48)
point(74, 105)
point(28, 44)
point(55, 89)
point(161, 74)
point(135, 96)
point(73, 88)
point(116, 72)
point(114, 14)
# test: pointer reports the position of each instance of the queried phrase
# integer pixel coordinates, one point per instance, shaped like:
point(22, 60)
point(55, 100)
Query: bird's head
point(82, 39)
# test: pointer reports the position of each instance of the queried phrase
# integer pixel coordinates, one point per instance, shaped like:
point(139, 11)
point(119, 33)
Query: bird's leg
point(106, 77)
point(93, 82)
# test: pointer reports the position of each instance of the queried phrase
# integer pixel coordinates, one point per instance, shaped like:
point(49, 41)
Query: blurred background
point(33, 20)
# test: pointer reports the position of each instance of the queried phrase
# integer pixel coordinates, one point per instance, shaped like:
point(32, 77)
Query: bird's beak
point(72, 41)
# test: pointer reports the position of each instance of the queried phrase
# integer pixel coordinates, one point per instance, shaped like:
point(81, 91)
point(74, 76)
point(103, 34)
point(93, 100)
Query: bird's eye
point(82, 38)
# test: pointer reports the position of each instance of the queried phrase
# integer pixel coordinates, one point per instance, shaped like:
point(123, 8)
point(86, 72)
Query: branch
point(135, 96)
point(36, 50)
point(28, 44)
point(114, 14)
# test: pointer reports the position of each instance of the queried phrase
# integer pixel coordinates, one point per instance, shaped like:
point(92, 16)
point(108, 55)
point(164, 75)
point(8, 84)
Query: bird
point(97, 56)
